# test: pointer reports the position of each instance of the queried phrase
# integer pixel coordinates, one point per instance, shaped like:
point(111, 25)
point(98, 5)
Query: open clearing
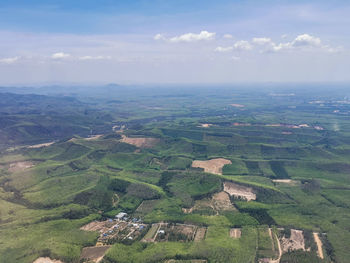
point(211, 166)
point(319, 245)
point(219, 202)
point(205, 125)
point(200, 234)
point(285, 181)
point(93, 137)
point(235, 232)
point(40, 145)
point(140, 142)
point(239, 191)
point(295, 242)
point(94, 254)
point(47, 260)
point(20, 166)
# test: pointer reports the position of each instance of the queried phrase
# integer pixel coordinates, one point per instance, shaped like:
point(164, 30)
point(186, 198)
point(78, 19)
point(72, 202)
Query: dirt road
point(319, 245)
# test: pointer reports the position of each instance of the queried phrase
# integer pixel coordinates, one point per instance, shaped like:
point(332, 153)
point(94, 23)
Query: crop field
point(198, 175)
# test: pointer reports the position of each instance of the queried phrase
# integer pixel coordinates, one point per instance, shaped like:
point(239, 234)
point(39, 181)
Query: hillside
point(203, 175)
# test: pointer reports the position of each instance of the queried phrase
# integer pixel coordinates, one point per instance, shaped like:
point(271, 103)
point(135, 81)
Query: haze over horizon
point(174, 41)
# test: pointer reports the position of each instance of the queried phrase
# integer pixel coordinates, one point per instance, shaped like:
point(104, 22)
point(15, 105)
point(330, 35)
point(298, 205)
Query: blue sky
point(173, 41)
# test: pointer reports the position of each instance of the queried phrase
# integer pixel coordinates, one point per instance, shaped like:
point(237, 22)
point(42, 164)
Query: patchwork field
point(176, 176)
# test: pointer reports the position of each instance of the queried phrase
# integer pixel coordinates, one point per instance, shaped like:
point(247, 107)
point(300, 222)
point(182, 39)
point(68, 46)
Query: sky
point(173, 41)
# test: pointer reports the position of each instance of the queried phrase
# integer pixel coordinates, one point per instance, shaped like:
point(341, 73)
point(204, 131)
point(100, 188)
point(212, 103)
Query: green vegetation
point(47, 193)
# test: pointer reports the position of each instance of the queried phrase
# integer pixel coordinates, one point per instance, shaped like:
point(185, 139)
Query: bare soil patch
point(140, 142)
point(319, 245)
point(41, 145)
point(200, 234)
point(218, 202)
point(94, 254)
point(235, 232)
point(221, 202)
point(47, 260)
point(239, 191)
point(211, 166)
point(295, 242)
point(206, 125)
point(20, 166)
point(93, 137)
point(285, 181)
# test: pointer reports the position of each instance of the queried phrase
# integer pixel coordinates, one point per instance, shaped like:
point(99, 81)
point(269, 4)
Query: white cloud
point(223, 49)
point(243, 45)
point(228, 36)
point(189, 37)
point(9, 60)
point(159, 37)
point(306, 40)
point(60, 55)
point(262, 40)
point(94, 57)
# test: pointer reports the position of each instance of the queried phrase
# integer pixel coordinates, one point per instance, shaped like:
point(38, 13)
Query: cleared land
point(319, 245)
point(41, 145)
point(205, 125)
point(140, 142)
point(94, 137)
point(94, 254)
point(235, 232)
point(294, 242)
point(211, 166)
point(200, 234)
point(285, 181)
point(218, 202)
point(47, 260)
point(20, 166)
point(239, 191)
